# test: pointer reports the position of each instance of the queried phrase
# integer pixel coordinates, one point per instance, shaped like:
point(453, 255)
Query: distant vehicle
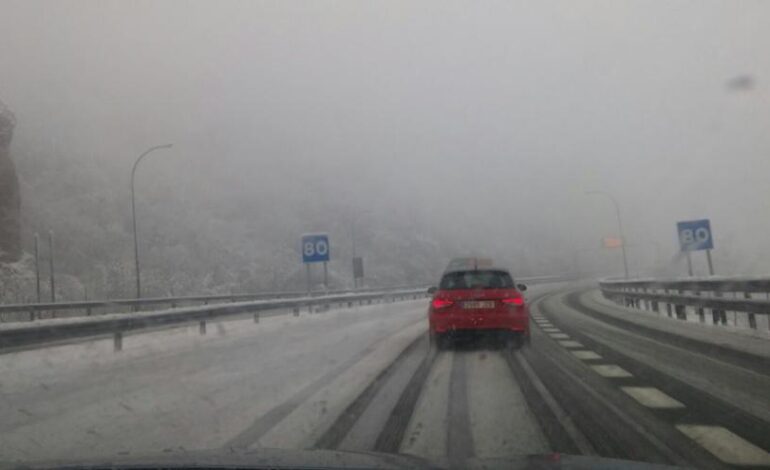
point(473, 300)
point(468, 263)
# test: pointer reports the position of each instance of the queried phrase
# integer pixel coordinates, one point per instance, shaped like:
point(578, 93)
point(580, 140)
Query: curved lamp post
point(620, 227)
point(133, 213)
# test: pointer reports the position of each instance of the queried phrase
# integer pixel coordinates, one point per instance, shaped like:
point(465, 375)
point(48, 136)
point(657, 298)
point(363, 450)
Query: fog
point(442, 128)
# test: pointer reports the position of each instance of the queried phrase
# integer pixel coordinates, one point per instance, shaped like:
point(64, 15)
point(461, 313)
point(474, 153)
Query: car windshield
point(476, 280)
point(385, 233)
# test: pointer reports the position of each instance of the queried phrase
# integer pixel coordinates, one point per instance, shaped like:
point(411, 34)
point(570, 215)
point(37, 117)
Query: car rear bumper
point(473, 334)
point(453, 324)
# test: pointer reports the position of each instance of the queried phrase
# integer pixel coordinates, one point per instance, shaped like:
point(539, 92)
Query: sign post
point(315, 249)
point(695, 235)
point(326, 276)
point(358, 270)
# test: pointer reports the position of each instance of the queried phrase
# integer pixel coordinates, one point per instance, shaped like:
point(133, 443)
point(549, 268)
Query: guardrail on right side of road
point(29, 334)
point(717, 295)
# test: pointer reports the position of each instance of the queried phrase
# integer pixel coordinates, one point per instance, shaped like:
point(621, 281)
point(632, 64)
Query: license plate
point(474, 304)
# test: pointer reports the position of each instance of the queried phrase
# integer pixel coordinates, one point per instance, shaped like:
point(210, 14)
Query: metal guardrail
point(28, 334)
point(33, 310)
point(710, 284)
point(23, 334)
point(719, 295)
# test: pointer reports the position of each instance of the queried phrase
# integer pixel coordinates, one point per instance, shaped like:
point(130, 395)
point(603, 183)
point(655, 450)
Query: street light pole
point(353, 240)
point(133, 214)
point(620, 228)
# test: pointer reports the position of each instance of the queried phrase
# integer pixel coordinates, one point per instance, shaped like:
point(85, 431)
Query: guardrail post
point(202, 327)
point(752, 317)
point(719, 316)
point(256, 318)
point(681, 310)
point(117, 341)
point(681, 314)
point(350, 304)
point(700, 310)
point(295, 311)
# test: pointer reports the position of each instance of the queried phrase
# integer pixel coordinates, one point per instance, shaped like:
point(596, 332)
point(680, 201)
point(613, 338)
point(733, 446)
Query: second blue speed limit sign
point(315, 248)
point(695, 235)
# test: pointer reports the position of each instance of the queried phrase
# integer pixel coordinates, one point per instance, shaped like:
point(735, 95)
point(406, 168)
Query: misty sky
point(485, 119)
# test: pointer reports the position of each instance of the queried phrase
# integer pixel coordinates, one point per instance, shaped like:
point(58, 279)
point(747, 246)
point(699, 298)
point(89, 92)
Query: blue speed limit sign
point(695, 235)
point(315, 248)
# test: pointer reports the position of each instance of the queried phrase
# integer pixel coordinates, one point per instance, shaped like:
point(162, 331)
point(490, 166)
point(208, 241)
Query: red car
point(472, 300)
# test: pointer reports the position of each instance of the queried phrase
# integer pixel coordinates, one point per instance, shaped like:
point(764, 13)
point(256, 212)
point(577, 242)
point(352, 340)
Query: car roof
point(472, 264)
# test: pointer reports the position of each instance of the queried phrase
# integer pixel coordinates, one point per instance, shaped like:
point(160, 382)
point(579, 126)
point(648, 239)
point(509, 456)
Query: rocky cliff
point(10, 201)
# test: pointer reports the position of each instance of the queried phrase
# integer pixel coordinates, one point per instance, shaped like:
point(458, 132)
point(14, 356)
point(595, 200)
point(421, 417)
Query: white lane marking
point(726, 445)
point(426, 433)
point(585, 355)
point(611, 371)
point(551, 330)
point(558, 336)
point(651, 397)
point(570, 344)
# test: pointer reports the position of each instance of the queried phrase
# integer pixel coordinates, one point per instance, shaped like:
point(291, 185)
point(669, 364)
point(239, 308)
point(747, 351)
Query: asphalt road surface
point(598, 379)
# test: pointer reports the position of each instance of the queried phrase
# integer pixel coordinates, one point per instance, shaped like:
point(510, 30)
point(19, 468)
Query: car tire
point(515, 341)
point(438, 341)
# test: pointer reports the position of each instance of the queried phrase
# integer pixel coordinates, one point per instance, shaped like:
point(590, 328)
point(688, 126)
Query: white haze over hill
point(442, 128)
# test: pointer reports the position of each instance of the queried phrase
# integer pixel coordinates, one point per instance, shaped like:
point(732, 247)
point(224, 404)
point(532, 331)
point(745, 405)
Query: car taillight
point(441, 303)
point(515, 301)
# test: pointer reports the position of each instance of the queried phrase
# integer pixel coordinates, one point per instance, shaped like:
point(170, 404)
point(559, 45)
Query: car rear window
point(476, 280)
